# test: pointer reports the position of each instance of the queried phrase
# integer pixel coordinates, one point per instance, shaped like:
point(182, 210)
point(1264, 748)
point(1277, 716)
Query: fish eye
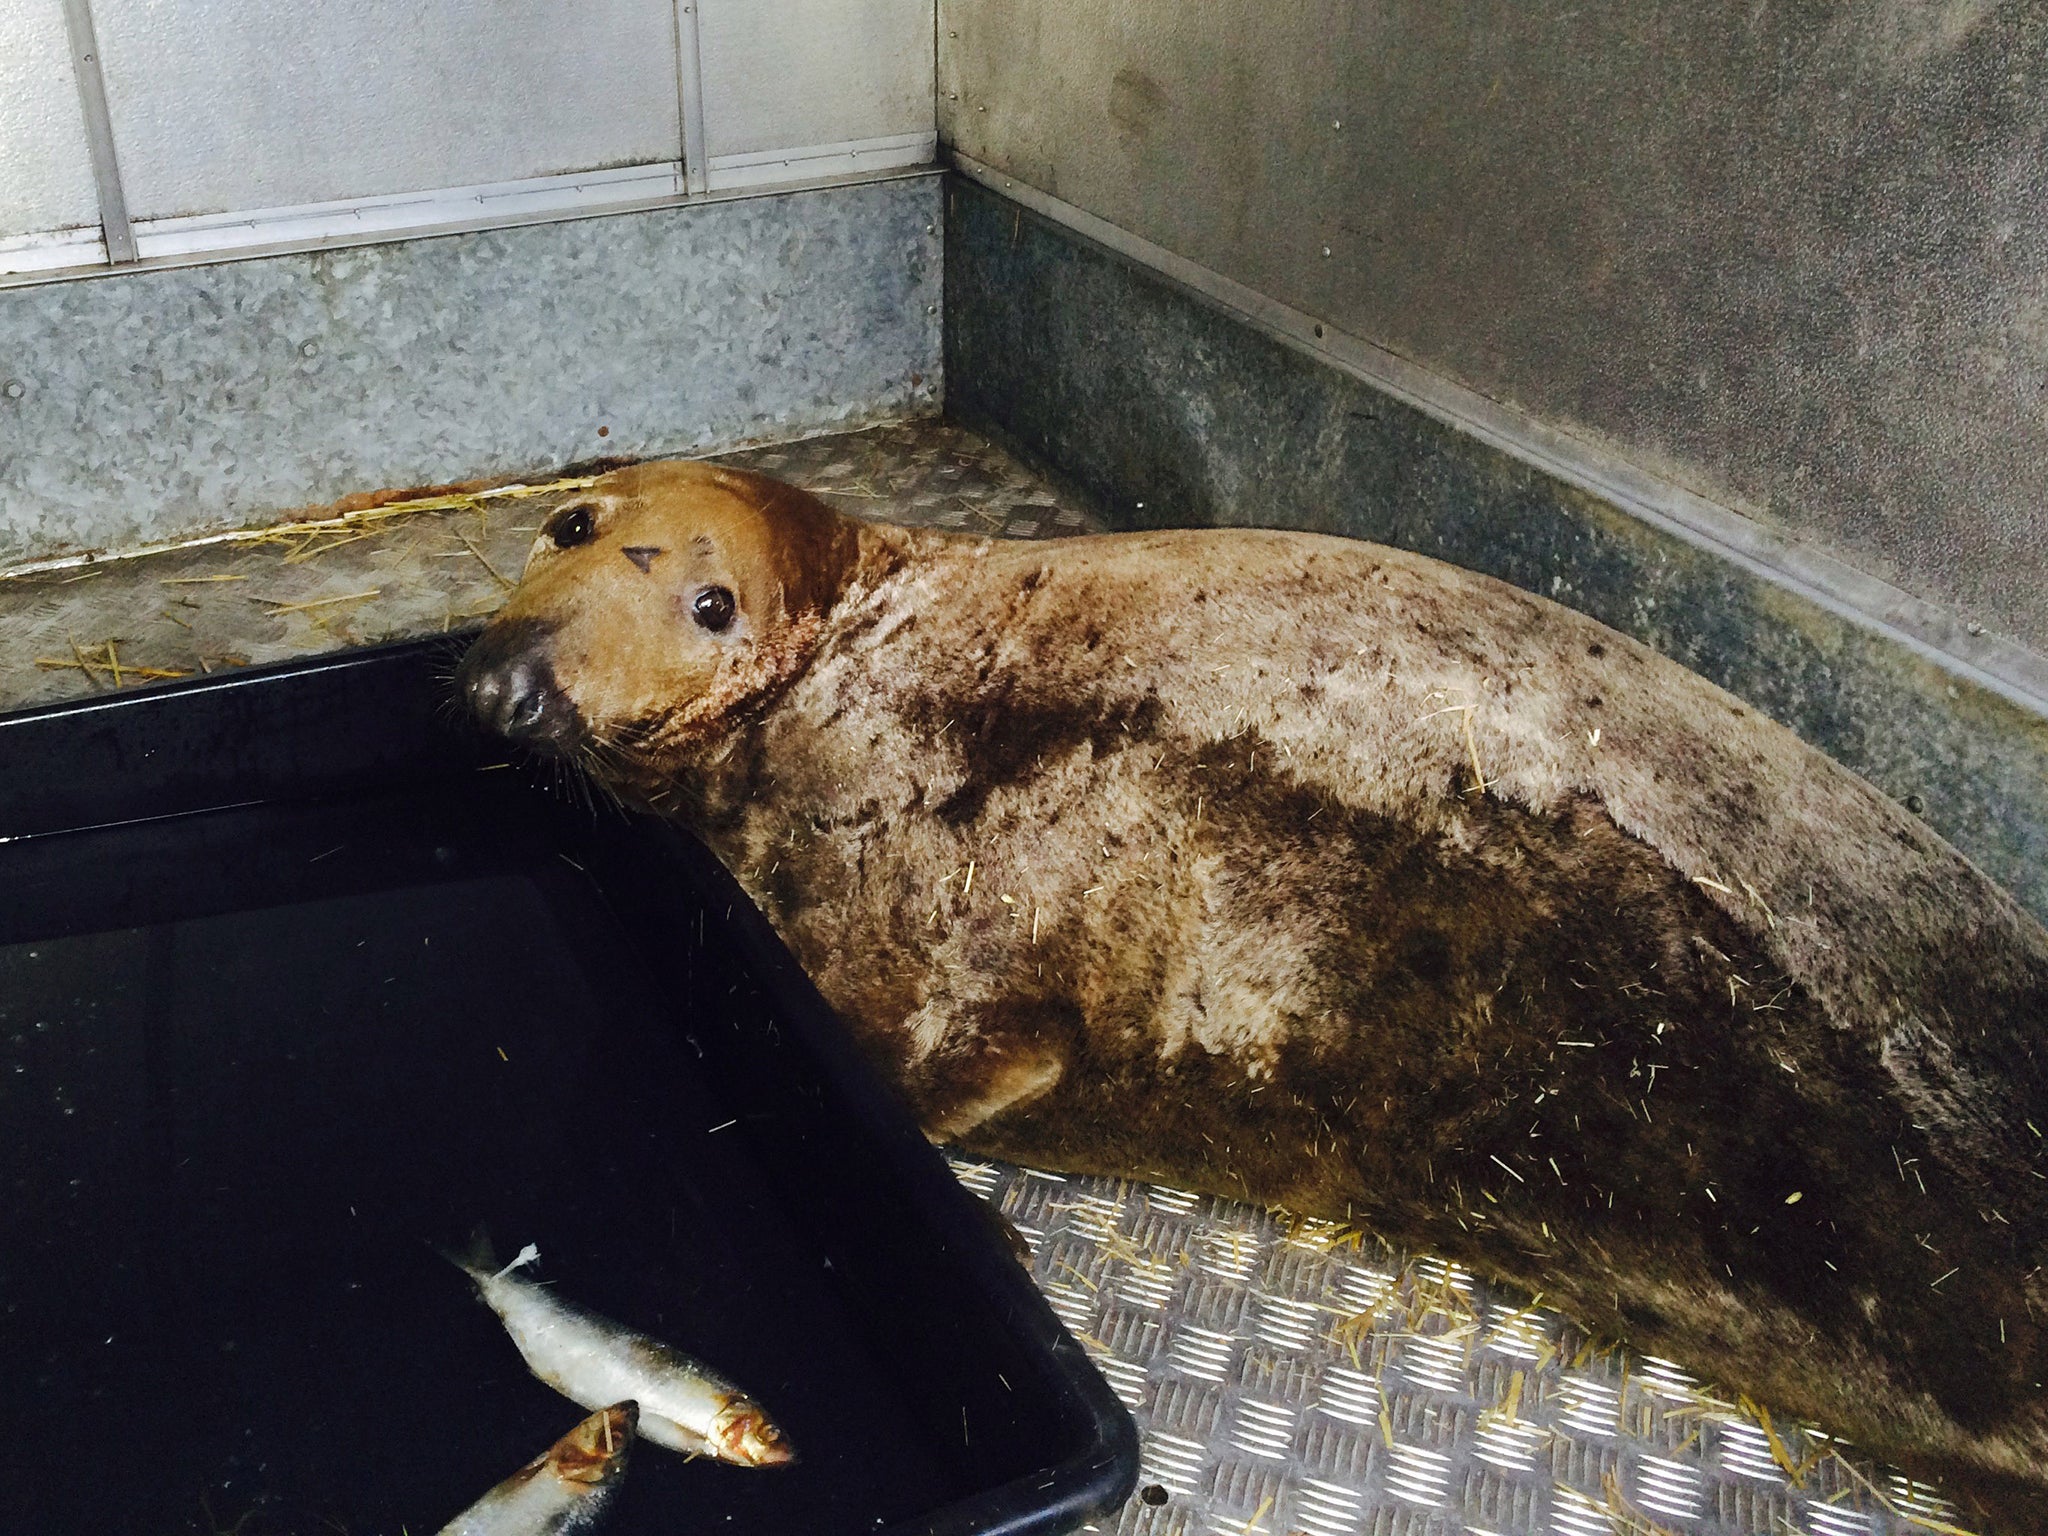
point(712, 609)
point(572, 526)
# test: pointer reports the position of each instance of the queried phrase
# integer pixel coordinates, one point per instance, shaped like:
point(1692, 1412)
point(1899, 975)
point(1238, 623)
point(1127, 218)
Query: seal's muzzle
point(508, 681)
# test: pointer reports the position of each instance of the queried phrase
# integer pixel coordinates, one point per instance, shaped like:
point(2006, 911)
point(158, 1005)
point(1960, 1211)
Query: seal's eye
point(573, 526)
point(712, 608)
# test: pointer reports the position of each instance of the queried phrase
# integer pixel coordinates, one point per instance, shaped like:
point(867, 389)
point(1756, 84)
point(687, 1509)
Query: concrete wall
point(1792, 257)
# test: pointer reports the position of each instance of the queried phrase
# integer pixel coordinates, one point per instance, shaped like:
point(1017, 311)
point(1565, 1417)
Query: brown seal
point(1333, 877)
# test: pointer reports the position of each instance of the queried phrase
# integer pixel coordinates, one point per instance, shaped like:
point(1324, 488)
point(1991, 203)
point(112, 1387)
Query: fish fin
point(476, 1255)
point(530, 1254)
point(696, 1448)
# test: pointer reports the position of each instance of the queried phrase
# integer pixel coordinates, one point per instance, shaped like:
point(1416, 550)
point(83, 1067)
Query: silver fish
point(561, 1490)
point(684, 1404)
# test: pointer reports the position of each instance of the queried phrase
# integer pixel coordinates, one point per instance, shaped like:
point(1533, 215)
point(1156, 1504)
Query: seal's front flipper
point(959, 1093)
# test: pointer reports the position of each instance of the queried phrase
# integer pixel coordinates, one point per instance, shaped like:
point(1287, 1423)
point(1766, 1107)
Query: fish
point(685, 1405)
point(563, 1489)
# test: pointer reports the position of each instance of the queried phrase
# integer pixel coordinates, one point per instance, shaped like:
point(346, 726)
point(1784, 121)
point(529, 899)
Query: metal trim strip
point(54, 249)
point(346, 219)
point(690, 97)
point(766, 166)
point(453, 212)
point(99, 131)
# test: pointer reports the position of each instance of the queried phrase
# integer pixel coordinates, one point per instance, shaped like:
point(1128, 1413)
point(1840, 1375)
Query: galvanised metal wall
point(149, 405)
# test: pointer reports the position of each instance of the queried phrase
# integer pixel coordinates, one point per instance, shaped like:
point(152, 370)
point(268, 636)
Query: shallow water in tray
point(229, 1134)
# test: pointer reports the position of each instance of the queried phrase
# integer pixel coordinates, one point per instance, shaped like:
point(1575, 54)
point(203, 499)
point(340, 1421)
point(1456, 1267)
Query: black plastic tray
point(298, 977)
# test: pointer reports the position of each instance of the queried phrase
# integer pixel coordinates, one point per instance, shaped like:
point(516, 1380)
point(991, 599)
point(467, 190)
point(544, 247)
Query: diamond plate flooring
point(1289, 1379)
point(1296, 1378)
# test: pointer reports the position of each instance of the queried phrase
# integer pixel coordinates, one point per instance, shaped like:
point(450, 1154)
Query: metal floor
point(1287, 1378)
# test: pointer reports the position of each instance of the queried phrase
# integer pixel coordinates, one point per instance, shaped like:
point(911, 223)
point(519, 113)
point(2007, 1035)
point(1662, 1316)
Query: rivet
point(1339, 123)
point(1326, 250)
point(14, 389)
point(931, 229)
point(931, 309)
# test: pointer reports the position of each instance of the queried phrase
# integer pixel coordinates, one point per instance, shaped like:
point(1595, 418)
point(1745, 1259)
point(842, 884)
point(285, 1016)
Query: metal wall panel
point(1791, 257)
point(150, 405)
point(814, 72)
point(45, 169)
point(258, 104)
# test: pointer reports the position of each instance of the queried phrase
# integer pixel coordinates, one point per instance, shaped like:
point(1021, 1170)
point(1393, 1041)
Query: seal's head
point(657, 607)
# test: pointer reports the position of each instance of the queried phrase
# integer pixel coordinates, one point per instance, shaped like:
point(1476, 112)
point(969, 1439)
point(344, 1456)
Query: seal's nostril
point(526, 710)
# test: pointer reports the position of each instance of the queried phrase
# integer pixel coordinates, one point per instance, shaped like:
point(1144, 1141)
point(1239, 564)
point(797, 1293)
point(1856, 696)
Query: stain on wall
point(1791, 257)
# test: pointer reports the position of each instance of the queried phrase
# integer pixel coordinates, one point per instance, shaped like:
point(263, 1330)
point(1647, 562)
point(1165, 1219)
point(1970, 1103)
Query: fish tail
point(476, 1255)
point(530, 1254)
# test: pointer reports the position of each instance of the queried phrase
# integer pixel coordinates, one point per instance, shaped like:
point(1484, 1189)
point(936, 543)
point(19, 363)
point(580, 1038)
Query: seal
point(1324, 875)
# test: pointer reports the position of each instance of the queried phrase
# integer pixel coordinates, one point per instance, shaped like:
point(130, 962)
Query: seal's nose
point(508, 681)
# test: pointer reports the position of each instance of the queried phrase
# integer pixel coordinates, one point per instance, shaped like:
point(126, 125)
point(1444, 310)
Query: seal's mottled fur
point(1329, 876)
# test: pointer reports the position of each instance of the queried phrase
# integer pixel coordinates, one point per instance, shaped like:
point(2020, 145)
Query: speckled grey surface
point(155, 404)
point(1164, 412)
point(1791, 256)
